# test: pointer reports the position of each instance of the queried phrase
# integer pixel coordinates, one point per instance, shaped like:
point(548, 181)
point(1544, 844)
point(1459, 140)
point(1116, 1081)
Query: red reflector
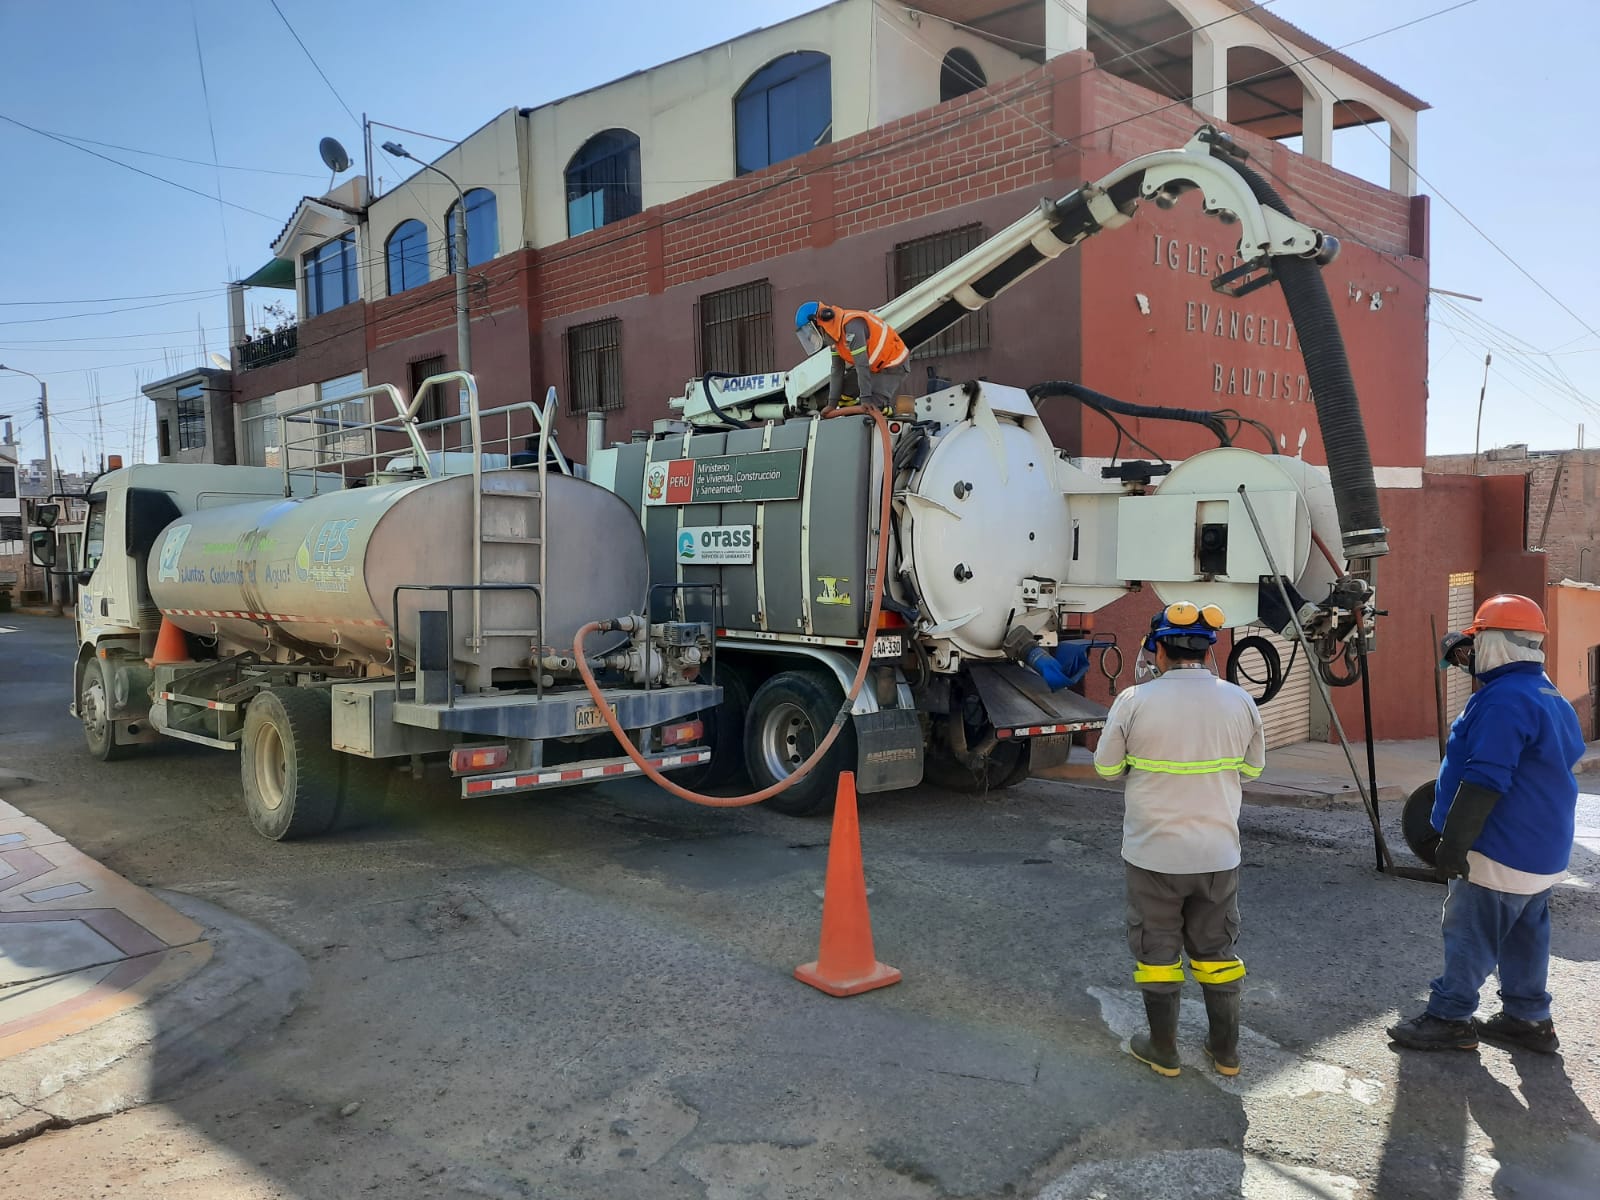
point(891, 620)
point(684, 731)
point(477, 758)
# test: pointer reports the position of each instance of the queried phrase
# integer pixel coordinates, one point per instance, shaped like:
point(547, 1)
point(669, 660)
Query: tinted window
point(94, 534)
point(408, 256)
point(331, 275)
point(483, 228)
point(785, 109)
point(603, 181)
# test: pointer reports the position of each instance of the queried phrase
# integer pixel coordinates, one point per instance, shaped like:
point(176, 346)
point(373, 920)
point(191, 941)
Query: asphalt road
point(588, 994)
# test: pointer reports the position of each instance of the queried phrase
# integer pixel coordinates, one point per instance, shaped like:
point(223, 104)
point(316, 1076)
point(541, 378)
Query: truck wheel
point(789, 715)
point(291, 772)
point(1416, 822)
point(724, 733)
point(94, 710)
point(1006, 766)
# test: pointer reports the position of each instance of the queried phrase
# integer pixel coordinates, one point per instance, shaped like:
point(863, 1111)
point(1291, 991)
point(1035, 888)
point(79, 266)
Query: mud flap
point(1049, 751)
point(888, 750)
point(1016, 698)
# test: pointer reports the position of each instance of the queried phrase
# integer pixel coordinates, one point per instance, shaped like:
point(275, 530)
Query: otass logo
point(717, 544)
point(685, 545)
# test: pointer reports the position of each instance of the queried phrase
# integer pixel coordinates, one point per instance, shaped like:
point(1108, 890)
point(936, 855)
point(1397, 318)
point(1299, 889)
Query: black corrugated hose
point(1344, 438)
point(1099, 400)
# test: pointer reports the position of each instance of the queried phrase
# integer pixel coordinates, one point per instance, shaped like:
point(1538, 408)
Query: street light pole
point(463, 331)
point(51, 483)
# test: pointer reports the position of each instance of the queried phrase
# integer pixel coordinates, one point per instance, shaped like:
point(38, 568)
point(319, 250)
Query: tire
point(291, 773)
point(94, 710)
point(1006, 766)
point(1417, 824)
point(724, 733)
point(789, 715)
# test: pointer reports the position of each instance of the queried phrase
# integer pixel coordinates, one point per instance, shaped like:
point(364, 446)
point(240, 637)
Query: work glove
point(1469, 812)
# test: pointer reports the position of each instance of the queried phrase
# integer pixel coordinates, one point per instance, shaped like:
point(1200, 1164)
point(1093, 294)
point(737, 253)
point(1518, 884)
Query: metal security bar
point(924, 257)
point(594, 367)
point(736, 330)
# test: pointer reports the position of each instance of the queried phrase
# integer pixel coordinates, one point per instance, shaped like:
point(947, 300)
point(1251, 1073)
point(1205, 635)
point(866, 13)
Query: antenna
point(219, 362)
point(334, 157)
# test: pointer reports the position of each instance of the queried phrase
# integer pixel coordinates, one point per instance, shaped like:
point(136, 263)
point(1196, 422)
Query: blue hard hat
point(805, 314)
point(1189, 626)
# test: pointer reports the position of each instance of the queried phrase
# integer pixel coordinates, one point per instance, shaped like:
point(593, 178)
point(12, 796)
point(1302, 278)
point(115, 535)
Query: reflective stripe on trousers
point(1225, 971)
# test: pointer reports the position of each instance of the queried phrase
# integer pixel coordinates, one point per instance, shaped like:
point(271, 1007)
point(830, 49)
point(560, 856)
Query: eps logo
point(686, 544)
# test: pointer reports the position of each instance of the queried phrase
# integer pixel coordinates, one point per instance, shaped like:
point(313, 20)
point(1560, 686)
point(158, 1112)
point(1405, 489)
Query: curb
point(251, 983)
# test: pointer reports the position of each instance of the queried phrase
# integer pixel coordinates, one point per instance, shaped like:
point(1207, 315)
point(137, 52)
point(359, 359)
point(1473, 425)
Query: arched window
point(785, 109)
point(603, 181)
point(408, 256)
point(483, 228)
point(960, 74)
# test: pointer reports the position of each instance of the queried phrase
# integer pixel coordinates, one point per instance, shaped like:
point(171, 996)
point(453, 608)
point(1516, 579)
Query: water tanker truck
point(762, 586)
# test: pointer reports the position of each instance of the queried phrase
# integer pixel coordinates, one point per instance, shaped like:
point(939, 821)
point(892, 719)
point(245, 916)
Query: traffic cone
point(845, 961)
point(171, 645)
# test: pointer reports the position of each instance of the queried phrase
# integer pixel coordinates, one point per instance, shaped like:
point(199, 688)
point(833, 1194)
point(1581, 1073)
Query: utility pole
point(52, 483)
point(1478, 432)
point(463, 325)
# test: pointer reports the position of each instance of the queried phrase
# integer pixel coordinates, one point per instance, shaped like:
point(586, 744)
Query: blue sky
point(1506, 141)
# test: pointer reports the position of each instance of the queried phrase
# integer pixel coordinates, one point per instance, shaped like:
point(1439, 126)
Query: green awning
point(278, 273)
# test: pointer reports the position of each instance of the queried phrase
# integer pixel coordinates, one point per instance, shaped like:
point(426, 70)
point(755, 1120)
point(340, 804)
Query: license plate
point(589, 717)
point(888, 646)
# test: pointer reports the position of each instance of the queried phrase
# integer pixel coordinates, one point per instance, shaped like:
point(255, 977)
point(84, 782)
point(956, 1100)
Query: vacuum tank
point(318, 575)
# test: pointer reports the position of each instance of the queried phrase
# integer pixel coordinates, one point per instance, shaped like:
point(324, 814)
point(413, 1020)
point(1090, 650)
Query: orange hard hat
point(1508, 611)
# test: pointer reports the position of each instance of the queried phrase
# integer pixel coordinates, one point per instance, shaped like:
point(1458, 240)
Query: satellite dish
point(334, 155)
point(219, 362)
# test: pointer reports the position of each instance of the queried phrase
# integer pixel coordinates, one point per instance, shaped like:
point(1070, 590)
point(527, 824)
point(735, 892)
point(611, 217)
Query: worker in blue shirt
point(1505, 806)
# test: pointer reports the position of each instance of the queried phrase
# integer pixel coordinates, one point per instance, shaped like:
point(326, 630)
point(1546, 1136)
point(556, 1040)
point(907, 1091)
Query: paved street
point(588, 994)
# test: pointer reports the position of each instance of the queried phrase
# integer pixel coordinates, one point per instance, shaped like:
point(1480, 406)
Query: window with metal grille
point(594, 366)
point(191, 417)
point(736, 329)
point(914, 261)
point(433, 405)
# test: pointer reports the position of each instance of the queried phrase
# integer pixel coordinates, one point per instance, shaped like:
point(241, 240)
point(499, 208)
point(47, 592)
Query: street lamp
point(1581, 553)
point(463, 333)
point(50, 481)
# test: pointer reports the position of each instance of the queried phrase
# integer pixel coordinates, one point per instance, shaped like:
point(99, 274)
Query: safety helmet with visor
point(810, 336)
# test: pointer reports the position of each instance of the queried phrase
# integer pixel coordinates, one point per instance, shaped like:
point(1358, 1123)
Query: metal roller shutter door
point(1458, 684)
point(1287, 717)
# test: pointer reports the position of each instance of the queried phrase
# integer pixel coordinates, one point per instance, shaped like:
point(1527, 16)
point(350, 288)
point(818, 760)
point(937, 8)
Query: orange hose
point(834, 730)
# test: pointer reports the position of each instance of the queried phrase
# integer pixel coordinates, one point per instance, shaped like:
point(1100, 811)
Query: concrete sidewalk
point(108, 992)
point(1317, 774)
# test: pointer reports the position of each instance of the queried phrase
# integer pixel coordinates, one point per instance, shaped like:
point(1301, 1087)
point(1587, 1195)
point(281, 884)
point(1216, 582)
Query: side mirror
point(47, 514)
point(42, 547)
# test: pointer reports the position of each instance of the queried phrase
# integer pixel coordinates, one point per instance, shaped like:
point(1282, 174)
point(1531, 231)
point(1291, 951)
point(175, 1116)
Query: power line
point(1411, 167)
point(182, 187)
point(211, 127)
point(194, 162)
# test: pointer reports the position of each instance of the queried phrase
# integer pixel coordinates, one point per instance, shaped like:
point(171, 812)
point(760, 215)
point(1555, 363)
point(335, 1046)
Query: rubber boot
point(1222, 1043)
point(1159, 1049)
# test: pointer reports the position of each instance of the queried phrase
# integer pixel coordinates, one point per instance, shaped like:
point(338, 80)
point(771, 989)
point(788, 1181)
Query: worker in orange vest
point(860, 340)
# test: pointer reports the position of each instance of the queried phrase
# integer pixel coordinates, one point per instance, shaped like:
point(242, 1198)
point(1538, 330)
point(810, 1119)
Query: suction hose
point(1344, 438)
point(843, 715)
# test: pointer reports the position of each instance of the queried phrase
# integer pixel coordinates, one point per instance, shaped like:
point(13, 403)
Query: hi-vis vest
point(885, 350)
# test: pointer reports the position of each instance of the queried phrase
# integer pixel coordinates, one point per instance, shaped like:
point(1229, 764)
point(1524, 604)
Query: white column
point(1317, 123)
point(1065, 28)
point(1209, 63)
point(1402, 152)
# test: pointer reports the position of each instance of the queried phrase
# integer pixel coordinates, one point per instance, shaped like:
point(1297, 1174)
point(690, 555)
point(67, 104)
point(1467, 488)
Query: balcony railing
point(268, 346)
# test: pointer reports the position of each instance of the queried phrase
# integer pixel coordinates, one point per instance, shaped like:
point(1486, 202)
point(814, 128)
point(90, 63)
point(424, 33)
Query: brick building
point(625, 240)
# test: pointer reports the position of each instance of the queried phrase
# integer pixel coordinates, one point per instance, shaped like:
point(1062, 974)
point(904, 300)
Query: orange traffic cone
point(845, 962)
point(171, 645)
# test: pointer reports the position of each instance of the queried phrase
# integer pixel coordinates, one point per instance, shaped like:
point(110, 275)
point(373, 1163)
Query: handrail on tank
point(401, 408)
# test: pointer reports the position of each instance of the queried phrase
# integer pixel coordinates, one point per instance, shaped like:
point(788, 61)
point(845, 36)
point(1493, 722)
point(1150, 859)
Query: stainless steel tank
point(318, 575)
